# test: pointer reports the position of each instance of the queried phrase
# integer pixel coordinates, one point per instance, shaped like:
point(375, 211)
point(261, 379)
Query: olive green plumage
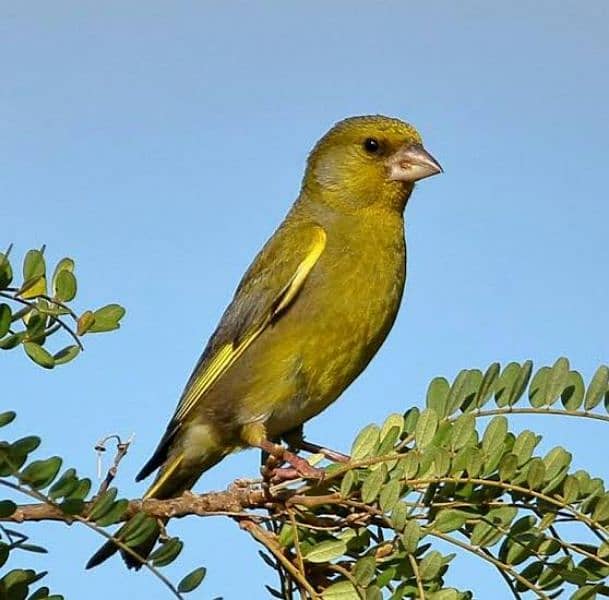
point(310, 312)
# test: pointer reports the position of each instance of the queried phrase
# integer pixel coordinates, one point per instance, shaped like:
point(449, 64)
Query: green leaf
point(390, 433)
point(556, 461)
point(458, 391)
point(385, 576)
point(531, 573)
point(495, 433)
point(4, 553)
point(597, 387)
point(65, 355)
point(9, 342)
point(65, 264)
point(536, 473)
point(65, 286)
point(450, 519)
point(557, 380)
point(473, 461)
point(508, 467)
point(537, 389)
point(66, 484)
point(372, 485)
point(487, 386)
point(36, 323)
point(390, 494)
point(399, 516)
point(521, 382)
point(25, 445)
point(107, 318)
point(39, 355)
point(72, 506)
point(365, 443)
point(347, 483)
point(139, 529)
point(32, 288)
point(6, 271)
point(326, 551)
point(411, 536)
point(430, 566)
point(33, 265)
point(437, 395)
point(85, 322)
point(364, 570)
point(440, 461)
point(505, 384)
point(426, 428)
point(549, 547)
point(82, 490)
point(286, 535)
point(167, 552)
point(5, 319)
point(393, 422)
point(40, 594)
point(115, 514)
point(485, 533)
point(524, 445)
point(7, 417)
point(7, 508)
point(586, 592)
point(342, 590)
point(408, 466)
point(411, 418)
point(570, 489)
point(601, 510)
point(462, 431)
point(192, 581)
point(102, 504)
point(374, 593)
point(573, 394)
point(41, 473)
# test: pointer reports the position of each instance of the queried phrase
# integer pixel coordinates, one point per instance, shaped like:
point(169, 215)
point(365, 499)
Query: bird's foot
point(273, 472)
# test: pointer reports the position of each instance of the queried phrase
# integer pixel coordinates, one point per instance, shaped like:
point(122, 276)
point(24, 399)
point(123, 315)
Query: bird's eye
point(371, 145)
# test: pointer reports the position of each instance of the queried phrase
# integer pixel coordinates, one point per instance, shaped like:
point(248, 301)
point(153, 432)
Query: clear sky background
point(160, 143)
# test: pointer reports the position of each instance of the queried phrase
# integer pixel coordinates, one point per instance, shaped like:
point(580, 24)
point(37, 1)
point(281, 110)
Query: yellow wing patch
point(229, 353)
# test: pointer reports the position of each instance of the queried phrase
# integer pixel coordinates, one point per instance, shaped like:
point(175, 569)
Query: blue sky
point(160, 144)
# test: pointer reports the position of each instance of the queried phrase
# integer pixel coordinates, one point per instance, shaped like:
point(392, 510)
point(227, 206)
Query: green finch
point(310, 312)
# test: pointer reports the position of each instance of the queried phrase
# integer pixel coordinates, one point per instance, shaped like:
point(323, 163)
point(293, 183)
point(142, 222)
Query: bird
point(309, 314)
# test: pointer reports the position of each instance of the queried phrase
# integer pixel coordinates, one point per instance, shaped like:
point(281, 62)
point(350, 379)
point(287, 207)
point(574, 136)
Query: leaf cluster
point(39, 305)
point(447, 473)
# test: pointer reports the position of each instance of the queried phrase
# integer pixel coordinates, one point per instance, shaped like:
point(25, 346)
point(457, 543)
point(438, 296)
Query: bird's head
point(368, 160)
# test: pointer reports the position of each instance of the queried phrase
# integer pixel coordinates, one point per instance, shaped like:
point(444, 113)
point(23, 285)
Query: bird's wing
point(267, 289)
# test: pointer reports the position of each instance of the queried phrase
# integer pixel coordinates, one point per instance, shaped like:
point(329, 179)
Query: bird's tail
point(173, 479)
point(142, 549)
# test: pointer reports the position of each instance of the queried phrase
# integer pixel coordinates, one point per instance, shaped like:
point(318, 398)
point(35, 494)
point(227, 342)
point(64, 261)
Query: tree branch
point(232, 502)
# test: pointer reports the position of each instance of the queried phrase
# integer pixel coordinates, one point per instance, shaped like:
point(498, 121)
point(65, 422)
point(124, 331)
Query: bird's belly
point(304, 361)
point(323, 346)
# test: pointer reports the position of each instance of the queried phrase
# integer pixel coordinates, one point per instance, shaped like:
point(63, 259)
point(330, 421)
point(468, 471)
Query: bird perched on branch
point(309, 314)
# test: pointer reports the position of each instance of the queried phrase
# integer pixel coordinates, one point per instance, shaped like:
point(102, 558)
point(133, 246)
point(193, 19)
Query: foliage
point(449, 474)
point(33, 310)
point(36, 308)
point(370, 530)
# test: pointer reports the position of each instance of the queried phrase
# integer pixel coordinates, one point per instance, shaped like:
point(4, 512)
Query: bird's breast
point(342, 316)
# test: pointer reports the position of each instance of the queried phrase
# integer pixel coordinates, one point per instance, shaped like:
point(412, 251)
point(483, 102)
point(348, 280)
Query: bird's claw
point(274, 473)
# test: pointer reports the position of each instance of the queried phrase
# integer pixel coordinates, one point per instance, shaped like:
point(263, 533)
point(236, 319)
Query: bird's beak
point(411, 163)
